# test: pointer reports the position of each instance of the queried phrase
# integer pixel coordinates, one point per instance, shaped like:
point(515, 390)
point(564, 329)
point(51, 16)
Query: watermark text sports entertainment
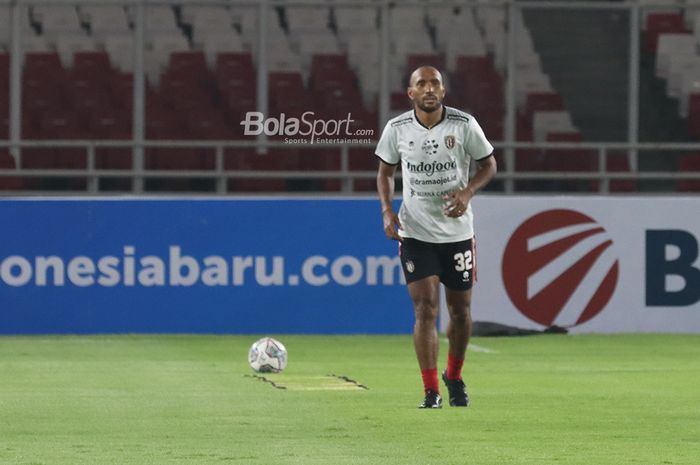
point(177, 269)
point(305, 129)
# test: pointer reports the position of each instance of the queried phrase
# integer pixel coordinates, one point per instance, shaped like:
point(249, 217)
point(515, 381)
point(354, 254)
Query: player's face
point(426, 90)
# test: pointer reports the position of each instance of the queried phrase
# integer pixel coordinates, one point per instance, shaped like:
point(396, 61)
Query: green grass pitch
point(99, 400)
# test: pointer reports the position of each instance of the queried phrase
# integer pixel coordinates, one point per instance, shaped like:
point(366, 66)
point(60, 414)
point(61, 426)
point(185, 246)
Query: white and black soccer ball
point(267, 355)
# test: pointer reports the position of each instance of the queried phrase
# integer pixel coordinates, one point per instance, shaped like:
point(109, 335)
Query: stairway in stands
point(585, 55)
point(590, 69)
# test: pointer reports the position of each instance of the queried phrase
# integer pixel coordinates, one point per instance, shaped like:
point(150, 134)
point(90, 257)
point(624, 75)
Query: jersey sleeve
point(478, 147)
point(387, 148)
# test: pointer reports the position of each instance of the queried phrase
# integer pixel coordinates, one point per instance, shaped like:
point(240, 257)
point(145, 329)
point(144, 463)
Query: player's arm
point(385, 189)
point(485, 171)
point(457, 201)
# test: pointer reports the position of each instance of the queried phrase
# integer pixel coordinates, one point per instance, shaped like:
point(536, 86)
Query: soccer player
point(434, 145)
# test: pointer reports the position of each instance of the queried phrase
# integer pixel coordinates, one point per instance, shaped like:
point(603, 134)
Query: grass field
point(99, 400)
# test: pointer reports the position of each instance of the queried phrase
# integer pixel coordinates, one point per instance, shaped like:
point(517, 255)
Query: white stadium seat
point(219, 42)
point(671, 45)
point(549, 122)
point(307, 19)
point(67, 45)
point(679, 66)
point(690, 84)
point(35, 43)
point(106, 20)
point(348, 19)
point(530, 82)
point(57, 20)
point(403, 18)
point(120, 51)
point(189, 13)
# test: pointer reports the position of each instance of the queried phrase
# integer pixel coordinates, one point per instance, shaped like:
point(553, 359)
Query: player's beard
point(429, 109)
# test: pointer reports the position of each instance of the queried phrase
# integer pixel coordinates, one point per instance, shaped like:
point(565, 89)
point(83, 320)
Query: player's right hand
point(391, 225)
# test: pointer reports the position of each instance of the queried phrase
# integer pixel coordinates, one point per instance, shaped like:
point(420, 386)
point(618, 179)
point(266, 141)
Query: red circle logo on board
point(559, 268)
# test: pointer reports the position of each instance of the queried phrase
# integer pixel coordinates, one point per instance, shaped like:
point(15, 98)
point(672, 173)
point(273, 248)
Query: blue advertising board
point(236, 266)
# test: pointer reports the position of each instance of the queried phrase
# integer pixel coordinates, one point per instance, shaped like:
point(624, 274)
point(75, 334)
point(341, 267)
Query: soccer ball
point(267, 355)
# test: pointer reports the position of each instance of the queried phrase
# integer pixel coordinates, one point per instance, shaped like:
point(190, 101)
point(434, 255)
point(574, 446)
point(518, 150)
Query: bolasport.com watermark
point(306, 129)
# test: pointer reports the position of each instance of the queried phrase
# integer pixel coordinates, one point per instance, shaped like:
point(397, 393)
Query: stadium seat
point(243, 159)
point(220, 42)
point(315, 160)
point(351, 20)
point(363, 160)
point(7, 183)
point(91, 63)
point(68, 45)
point(56, 21)
point(193, 63)
point(105, 20)
point(672, 45)
point(111, 124)
point(661, 23)
point(571, 160)
point(694, 115)
point(618, 162)
point(689, 163)
point(407, 18)
point(546, 123)
point(207, 123)
point(120, 50)
point(542, 101)
point(302, 19)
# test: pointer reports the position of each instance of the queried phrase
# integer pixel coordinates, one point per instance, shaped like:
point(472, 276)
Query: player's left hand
point(457, 202)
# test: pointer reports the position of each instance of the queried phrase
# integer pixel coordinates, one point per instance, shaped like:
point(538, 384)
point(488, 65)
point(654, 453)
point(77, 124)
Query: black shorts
point(454, 262)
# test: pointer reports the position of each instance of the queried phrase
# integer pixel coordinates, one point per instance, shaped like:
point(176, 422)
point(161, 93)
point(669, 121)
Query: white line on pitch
point(477, 348)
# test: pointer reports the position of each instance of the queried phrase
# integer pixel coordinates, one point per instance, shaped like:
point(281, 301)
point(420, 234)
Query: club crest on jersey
point(449, 141)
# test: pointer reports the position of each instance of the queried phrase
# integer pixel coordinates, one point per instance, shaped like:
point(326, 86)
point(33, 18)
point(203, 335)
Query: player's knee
point(460, 314)
point(426, 310)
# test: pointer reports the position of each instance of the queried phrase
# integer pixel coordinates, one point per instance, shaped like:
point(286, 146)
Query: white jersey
point(434, 162)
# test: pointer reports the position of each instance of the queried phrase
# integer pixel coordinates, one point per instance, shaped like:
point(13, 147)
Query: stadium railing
point(138, 173)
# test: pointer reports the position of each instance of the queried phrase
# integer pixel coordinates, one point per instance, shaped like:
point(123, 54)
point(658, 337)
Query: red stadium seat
point(43, 63)
point(662, 23)
point(328, 63)
point(400, 101)
point(474, 65)
point(111, 124)
point(363, 160)
point(237, 61)
point(121, 87)
point(92, 64)
point(235, 70)
point(250, 160)
point(689, 163)
point(542, 101)
point(7, 162)
point(288, 81)
point(619, 162)
point(193, 63)
point(207, 123)
point(315, 160)
point(571, 160)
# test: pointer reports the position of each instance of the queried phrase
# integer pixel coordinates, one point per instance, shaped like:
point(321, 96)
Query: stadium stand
point(201, 81)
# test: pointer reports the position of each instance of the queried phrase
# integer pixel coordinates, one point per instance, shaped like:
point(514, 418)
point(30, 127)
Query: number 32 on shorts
point(463, 261)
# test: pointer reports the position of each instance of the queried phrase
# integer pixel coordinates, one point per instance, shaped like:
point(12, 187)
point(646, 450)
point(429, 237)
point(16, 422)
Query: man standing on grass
point(434, 145)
